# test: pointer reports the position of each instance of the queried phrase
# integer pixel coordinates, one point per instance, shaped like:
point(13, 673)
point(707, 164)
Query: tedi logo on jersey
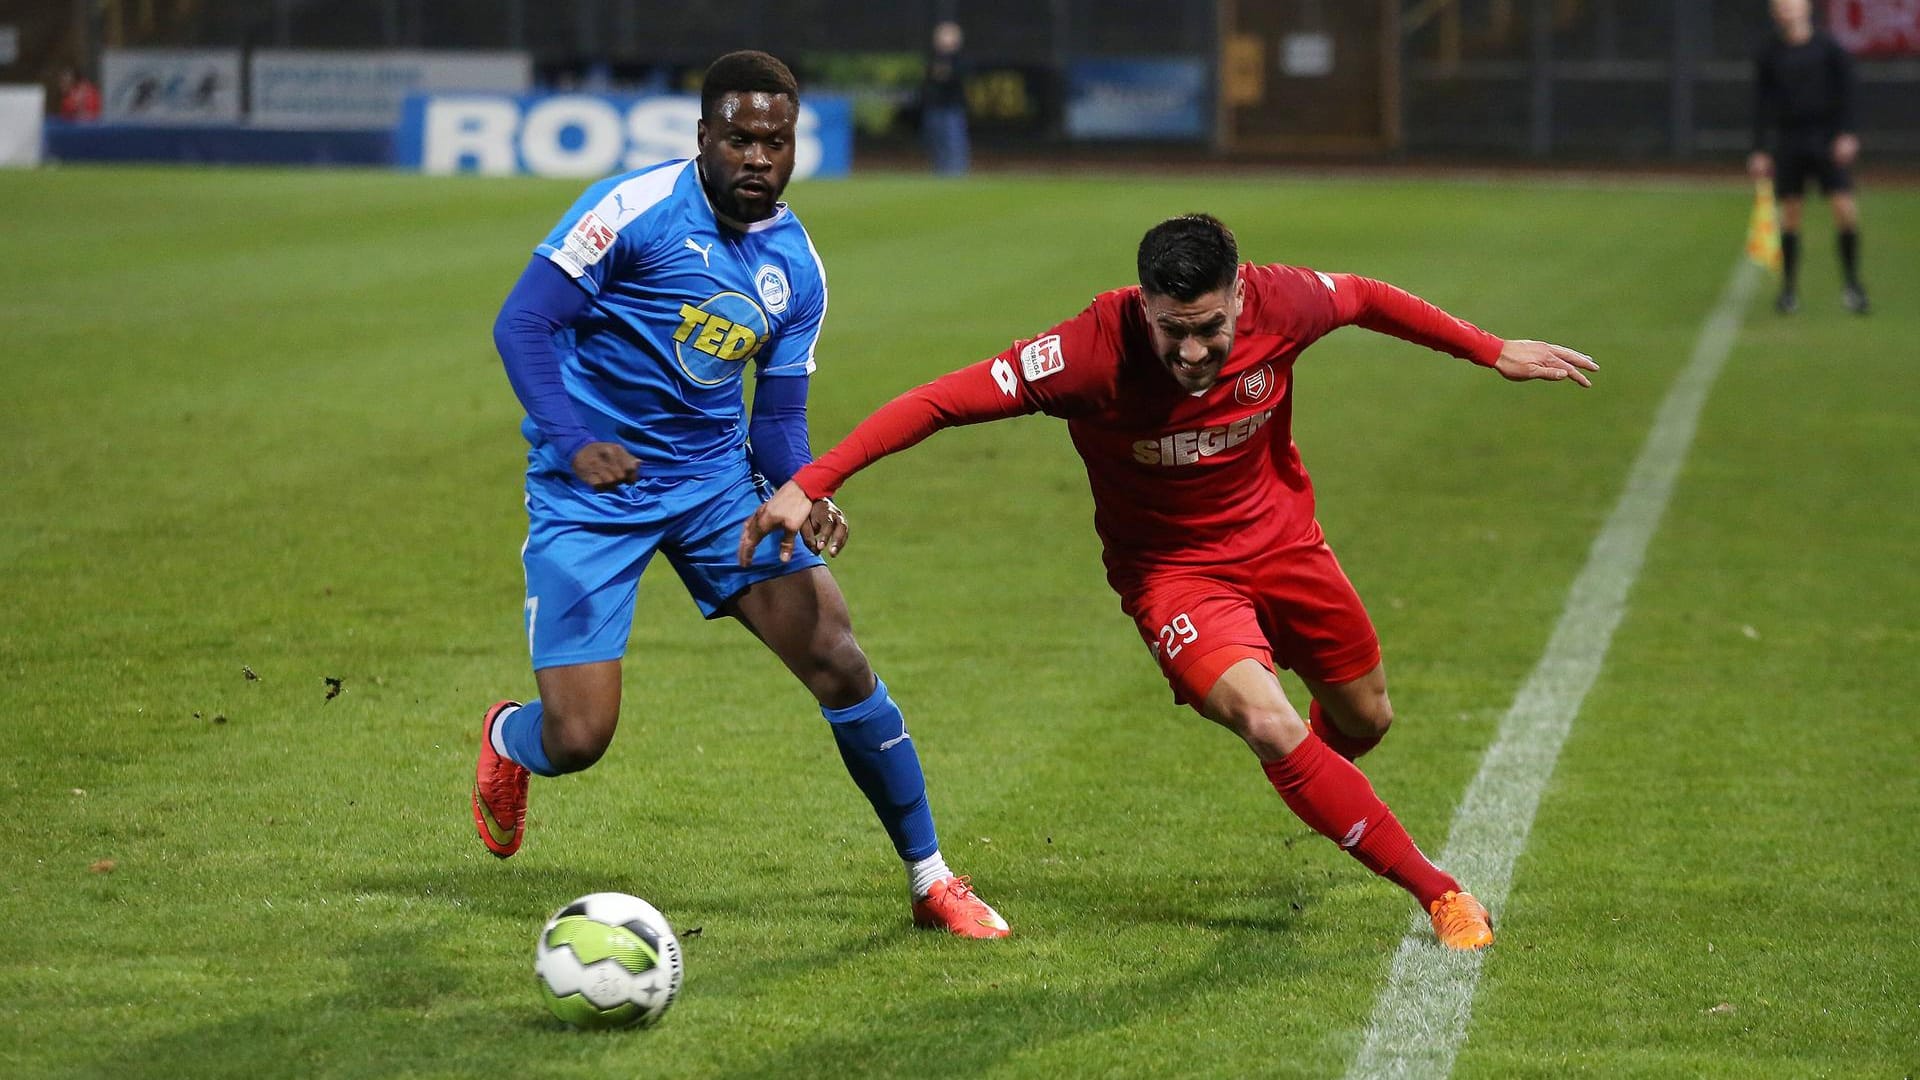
point(773, 288)
point(726, 330)
point(1254, 386)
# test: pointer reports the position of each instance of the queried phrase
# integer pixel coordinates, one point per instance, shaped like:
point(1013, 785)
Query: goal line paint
point(1422, 1014)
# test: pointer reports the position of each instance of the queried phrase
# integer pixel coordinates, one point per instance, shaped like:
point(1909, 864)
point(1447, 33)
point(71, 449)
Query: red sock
point(1329, 794)
point(1347, 746)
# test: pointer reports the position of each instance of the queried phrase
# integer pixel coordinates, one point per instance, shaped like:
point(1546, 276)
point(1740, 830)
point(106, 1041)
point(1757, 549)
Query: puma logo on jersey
point(1187, 447)
point(706, 253)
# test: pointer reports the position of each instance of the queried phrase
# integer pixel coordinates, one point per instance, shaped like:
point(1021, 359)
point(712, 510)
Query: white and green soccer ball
point(608, 960)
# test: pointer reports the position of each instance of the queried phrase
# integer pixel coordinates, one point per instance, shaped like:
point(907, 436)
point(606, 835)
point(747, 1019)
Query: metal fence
point(649, 31)
point(1633, 79)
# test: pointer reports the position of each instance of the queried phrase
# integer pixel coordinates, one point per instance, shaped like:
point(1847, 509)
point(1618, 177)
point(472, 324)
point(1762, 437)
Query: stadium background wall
point(1564, 80)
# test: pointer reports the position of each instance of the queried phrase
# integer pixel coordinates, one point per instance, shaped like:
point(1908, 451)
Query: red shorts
point(1292, 606)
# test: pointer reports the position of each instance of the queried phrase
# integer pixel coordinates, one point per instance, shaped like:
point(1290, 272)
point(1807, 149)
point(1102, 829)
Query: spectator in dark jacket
point(943, 101)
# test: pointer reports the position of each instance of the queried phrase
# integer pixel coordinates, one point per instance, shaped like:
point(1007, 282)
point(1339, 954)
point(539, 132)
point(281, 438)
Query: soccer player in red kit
point(1178, 395)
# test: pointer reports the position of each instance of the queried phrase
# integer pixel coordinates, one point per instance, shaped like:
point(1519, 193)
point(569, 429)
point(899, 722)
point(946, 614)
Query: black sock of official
point(1789, 259)
point(1850, 255)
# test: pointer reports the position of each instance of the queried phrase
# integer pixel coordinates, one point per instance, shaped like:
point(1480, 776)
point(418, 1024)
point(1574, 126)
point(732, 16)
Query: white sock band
point(493, 732)
point(921, 875)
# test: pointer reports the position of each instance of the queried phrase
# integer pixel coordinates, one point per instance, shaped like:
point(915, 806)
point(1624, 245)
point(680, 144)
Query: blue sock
point(519, 737)
point(880, 756)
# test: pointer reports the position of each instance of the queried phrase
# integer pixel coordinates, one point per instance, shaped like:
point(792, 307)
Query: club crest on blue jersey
point(773, 288)
point(725, 330)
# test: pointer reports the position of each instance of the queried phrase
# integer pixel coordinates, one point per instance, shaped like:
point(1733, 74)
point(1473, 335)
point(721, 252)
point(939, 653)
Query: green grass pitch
point(253, 422)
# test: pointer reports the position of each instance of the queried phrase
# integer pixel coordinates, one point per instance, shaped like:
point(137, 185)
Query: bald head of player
point(1794, 18)
point(749, 104)
point(1190, 287)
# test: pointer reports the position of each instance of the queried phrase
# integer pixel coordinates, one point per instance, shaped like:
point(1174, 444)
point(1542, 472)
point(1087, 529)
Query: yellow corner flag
point(1763, 229)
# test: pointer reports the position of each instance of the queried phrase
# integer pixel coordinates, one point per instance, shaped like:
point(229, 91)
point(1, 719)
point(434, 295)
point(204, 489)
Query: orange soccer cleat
point(1461, 922)
point(499, 791)
point(953, 905)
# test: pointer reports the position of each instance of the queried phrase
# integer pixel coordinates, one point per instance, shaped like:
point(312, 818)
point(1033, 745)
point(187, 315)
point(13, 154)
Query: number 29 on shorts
point(1177, 634)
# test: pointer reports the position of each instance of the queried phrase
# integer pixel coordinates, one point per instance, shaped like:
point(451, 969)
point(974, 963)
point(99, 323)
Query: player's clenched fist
point(827, 528)
point(793, 513)
point(604, 466)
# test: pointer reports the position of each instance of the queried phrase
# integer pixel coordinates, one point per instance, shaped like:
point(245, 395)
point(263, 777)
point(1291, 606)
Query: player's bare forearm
point(1522, 360)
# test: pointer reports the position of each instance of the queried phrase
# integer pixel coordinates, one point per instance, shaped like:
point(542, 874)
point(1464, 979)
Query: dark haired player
point(627, 339)
point(1803, 92)
point(1178, 394)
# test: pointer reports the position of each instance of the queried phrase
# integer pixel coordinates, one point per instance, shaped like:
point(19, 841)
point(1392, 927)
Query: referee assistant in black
point(1803, 92)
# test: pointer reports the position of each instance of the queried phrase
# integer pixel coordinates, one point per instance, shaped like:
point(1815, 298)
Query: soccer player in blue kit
point(627, 339)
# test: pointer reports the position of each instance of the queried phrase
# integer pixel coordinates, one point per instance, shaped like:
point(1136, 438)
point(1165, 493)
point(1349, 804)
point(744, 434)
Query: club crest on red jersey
point(1254, 386)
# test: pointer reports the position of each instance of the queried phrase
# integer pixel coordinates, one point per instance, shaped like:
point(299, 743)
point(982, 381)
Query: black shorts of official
point(1799, 159)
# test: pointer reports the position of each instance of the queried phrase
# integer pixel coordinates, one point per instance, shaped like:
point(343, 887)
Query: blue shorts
point(586, 549)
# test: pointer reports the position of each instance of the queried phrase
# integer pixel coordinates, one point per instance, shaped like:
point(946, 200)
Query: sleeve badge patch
point(1042, 358)
point(589, 240)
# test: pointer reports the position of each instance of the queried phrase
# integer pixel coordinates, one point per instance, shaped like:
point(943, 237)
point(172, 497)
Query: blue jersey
point(681, 303)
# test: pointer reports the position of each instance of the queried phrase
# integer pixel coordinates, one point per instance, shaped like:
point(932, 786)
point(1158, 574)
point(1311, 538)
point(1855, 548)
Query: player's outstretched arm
point(793, 513)
point(1521, 361)
point(1387, 309)
point(988, 390)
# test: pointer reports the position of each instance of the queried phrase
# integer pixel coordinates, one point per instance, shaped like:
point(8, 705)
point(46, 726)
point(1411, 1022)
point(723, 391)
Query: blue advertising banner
point(1138, 98)
point(588, 135)
point(224, 144)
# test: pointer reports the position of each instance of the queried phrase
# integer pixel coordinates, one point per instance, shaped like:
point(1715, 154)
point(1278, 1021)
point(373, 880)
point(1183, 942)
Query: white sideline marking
point(1421, 1016)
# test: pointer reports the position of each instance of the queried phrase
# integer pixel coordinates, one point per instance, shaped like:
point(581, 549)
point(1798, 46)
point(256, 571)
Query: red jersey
point(1178, 479)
